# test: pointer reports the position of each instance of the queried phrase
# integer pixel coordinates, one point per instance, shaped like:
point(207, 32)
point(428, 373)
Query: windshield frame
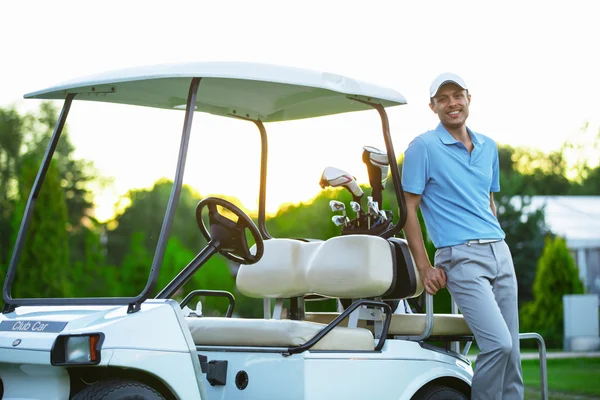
point(134, 303)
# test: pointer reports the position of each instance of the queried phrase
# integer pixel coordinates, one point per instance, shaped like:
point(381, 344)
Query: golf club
point(372, 210)
point(336, 177)
point(377, 166)
point(338, 206)
point(357, 210)
point(339, 220)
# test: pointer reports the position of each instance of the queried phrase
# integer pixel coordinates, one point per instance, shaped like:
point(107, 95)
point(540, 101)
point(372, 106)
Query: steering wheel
point(231, 236)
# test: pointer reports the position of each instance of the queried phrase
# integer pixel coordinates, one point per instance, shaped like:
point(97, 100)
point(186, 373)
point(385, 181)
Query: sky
point(531, 68)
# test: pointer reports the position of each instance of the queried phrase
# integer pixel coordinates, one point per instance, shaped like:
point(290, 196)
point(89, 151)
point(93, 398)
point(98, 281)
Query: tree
point(311, 219)
point(28, 136)
point(542, 174)
point(213, 275)
point(570, 170)
point(146, 212)
point(556, 276)
point(90, 275)
point(44, 260)
point(75, 174)
point(590, 184)
point(135, 267)
point(586, 171)
point(525, 232)
point(11, 139)
point(525, 228)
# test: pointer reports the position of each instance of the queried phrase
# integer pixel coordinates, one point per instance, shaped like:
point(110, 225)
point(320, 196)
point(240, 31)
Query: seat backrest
point(352, 266)
point(280, 273)
point(361, 266)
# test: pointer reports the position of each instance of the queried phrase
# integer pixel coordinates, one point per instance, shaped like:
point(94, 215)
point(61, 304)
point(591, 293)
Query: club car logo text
point(32, 326)
point(36, 326)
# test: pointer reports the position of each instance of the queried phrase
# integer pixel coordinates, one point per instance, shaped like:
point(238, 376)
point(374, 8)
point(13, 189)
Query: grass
point(566, 377)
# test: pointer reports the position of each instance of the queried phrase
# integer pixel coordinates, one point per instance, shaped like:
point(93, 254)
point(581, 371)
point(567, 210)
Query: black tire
point(118, 389)
point(438, 392)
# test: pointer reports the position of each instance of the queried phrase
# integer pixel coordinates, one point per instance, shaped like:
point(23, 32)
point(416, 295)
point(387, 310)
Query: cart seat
point(353, 266)
point(275, 333)
point(444, 325)
point(292, 268)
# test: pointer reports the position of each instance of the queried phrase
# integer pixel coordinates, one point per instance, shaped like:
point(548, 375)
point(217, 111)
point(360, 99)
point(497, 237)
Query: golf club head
point(383, 214)
point(374, 208)
point(338, 220)
point(336, 177)
point(337, 205)
point(369, 203)
point(377, 162)
point(355, 206)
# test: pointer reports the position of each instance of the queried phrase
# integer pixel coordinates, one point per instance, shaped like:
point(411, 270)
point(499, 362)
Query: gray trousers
point(482, 282)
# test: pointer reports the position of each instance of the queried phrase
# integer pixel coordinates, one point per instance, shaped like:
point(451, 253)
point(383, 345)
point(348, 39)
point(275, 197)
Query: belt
point(482, 241)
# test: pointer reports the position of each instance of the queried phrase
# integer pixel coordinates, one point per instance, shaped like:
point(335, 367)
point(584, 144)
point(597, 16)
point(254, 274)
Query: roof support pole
point(33, 195)
point(262, 194)
point(173, 200)
point(385, 124)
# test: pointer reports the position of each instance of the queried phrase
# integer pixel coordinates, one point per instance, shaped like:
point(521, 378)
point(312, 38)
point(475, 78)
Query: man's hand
point(433, 279)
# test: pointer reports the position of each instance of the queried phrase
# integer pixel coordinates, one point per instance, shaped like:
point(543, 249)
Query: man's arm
point(433, 278)
point(492, 204)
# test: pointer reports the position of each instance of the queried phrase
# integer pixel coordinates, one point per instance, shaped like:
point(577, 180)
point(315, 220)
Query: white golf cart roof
point(258, 91)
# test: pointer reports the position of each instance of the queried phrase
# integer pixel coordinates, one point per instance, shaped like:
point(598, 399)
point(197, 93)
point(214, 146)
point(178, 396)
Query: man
point(452, 173)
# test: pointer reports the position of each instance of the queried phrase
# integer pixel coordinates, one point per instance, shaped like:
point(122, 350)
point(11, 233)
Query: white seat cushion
point(353, 266)
point(275, 333)
point(280, 273)
point(409, 324)
point(443, 325)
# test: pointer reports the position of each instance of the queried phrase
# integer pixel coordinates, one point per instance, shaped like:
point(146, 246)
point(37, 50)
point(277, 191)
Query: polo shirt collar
point(446, 137)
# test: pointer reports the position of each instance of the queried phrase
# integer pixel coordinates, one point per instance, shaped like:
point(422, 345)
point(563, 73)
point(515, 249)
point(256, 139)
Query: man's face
point(451, 104)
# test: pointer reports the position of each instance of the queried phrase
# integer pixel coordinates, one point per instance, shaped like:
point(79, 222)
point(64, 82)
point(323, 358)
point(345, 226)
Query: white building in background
point(577, 219)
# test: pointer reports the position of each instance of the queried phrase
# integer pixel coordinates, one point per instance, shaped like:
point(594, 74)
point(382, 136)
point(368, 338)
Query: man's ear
point(469, 98)
point(432, 106)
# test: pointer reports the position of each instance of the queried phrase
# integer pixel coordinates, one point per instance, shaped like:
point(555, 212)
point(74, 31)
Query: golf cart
point(156, 348)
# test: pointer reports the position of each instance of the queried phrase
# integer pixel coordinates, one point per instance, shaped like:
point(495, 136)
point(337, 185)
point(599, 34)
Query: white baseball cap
point(446, 77)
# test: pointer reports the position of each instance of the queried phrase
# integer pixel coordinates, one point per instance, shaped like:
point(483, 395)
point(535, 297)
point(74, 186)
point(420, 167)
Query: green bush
point(556, 275)
point(44, 262)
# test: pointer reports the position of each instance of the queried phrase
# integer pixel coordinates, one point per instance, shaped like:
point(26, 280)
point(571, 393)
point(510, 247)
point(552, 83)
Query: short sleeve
point(495, 186)
point(415, 169)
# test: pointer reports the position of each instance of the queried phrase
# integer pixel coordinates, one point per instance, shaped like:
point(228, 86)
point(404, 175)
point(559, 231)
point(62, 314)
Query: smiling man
point(451, 173)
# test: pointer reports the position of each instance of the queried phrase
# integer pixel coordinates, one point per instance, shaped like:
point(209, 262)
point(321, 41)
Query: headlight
point(77, 349)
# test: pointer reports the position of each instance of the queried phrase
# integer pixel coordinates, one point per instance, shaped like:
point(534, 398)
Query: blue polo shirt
point(454, 185)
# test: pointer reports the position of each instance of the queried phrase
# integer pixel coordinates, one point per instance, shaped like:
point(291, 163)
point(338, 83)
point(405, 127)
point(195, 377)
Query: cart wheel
point(438, 392)
point(119, 389)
